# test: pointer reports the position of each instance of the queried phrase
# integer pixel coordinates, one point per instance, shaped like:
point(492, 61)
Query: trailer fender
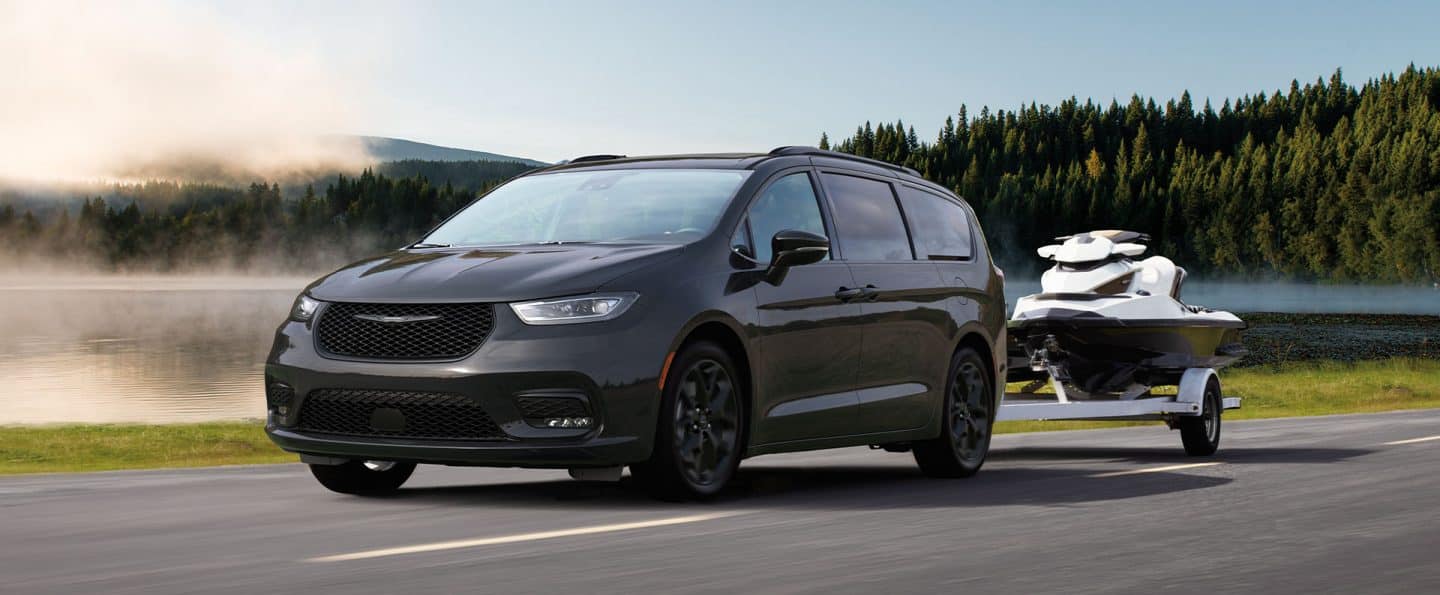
point(1192, 388)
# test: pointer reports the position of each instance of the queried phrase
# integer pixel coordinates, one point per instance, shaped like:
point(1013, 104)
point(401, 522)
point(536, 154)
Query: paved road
point(1302, 505)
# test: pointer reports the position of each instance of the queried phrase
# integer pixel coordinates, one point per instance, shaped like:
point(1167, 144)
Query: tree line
point(170, 226)
point(1325, 181)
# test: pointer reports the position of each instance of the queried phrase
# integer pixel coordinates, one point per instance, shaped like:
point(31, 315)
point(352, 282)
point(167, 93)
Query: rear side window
point(941, 227)
point(789, 203)
point(866, 219)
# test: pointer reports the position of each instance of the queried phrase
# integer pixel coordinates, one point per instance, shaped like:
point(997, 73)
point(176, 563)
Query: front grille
point(404, 331)
point(397, 414)
point(535, 409)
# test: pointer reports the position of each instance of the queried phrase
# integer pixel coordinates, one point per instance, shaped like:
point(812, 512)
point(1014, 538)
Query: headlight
point(304, 308)
point(591, 308)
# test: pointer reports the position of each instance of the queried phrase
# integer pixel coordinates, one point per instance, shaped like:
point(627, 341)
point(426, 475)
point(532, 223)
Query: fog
point(126, 91)
point(137, 349)
point(1276, 296)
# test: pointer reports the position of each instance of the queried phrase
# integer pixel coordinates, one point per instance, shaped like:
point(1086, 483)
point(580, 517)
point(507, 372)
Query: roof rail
point(602, 157)
point(800, 150)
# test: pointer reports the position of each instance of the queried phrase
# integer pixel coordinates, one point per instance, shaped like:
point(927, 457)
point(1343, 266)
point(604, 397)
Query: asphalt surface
point(1302, 505)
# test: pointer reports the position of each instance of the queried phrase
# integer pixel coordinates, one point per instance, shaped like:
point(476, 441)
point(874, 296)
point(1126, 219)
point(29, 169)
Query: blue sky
point(551, 80)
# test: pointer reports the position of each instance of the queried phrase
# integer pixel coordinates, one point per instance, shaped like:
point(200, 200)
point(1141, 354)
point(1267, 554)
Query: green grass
point(1301, 389)
point(67, 448)
point(1283, 391)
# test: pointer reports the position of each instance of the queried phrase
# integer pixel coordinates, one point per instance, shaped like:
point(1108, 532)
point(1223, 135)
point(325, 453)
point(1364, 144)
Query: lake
point(180, 349)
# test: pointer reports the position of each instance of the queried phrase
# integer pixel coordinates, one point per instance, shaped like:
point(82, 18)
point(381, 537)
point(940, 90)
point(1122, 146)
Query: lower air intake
point(396, 414)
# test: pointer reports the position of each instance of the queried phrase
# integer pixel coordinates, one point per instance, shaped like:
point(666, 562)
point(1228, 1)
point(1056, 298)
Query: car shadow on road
point(1173, 455)
point(1014, 476)
point(837, 488)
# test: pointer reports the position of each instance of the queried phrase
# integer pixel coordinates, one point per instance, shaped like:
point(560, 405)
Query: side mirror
point(792, 248)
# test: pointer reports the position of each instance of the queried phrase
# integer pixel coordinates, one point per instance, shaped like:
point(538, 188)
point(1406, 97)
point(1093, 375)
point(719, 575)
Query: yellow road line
point(1412, 441)
point(521, 537)
point(1155, 469)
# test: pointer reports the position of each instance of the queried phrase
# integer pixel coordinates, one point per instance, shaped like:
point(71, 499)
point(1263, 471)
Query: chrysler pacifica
point(672, 314)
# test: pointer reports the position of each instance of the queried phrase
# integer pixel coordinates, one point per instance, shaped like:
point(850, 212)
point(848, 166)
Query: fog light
point(568, 422)
point(278, 395)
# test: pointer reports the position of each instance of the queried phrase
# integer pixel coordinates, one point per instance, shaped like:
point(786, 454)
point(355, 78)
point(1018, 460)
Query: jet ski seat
point(1157, 275)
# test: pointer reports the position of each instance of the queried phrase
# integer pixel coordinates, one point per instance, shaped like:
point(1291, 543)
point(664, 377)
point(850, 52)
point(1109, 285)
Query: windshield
point(633, 205)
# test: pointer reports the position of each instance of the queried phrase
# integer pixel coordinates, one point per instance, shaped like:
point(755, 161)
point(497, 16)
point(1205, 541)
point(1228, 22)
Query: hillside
point(396, 149)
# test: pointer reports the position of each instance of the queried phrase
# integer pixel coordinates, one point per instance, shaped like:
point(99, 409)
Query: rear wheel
point(964, 440)
point(698, 438)
point(363, 478)
point(1201, 433)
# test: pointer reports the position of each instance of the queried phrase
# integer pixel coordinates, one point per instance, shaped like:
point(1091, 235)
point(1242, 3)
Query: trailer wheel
point(1201, 433)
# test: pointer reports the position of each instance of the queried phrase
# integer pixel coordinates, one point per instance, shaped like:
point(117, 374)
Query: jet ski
point(1107, 324)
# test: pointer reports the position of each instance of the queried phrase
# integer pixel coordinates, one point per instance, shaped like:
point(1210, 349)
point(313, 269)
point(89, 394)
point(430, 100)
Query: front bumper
point(590, 452)
point(612, 366)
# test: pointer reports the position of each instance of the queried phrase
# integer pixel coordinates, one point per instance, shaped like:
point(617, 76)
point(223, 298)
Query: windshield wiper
point(427, 245)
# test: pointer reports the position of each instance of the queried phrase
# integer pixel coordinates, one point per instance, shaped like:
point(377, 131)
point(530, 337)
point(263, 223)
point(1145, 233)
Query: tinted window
point(941, 227)
point(741, 240)
point(866, 219)
point(789, 203)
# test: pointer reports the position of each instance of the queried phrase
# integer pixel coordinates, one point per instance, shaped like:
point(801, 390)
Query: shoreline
point(1297, 389)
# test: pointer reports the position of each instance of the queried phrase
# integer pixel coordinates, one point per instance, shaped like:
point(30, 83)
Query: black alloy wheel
point(964, 440)
point(698, 441)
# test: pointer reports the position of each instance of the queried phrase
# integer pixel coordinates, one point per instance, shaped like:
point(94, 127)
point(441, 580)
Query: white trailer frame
point(1136, 403)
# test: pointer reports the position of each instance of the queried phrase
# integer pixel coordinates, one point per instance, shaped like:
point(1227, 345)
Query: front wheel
point(702, 419)
point(363, 478)
point(1201, 433)
point(964, 440)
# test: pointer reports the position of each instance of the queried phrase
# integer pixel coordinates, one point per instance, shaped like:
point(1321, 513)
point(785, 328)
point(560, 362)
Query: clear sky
point(552, 80)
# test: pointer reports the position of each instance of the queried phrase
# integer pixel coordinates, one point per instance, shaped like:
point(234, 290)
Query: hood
point(487, 274)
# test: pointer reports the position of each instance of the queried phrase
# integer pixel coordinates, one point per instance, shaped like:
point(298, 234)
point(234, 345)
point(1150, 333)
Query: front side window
point(789, 203)
point(867, 219)
point(941, 227)
point(634, 205)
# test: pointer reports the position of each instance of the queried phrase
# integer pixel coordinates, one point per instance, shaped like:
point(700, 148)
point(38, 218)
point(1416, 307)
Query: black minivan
point(673, 314)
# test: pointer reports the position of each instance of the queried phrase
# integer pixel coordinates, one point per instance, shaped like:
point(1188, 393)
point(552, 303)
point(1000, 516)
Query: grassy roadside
point(104, 447)
point(1305, 388)
point(1270, 391)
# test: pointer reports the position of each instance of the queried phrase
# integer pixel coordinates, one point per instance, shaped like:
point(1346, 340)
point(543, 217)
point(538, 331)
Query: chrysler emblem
point(396, 319)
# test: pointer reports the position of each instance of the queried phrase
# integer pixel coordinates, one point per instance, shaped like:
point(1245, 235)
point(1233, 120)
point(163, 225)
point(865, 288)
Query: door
point(808, 338)
point(905, 347)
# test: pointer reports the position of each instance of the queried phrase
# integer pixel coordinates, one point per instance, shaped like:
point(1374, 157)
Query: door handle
point(846, 294)
point(869, 293)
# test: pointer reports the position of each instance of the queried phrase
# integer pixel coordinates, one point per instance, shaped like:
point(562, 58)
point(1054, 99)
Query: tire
point(1201, 433)
point(363, 478)
point(969, 419)
point(699, 436)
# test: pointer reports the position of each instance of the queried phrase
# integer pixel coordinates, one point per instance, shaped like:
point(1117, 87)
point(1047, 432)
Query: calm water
point(190, 349)
point(137, 350)
point(1289, 297)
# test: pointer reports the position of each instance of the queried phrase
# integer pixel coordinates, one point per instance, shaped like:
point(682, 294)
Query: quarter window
point(867, 220)
point(940, 227)
point(789, 203)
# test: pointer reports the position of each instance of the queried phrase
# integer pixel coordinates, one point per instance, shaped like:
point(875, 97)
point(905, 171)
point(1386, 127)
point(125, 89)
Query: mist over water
point(147, 349)
point(1298, 298)
point(179, 348)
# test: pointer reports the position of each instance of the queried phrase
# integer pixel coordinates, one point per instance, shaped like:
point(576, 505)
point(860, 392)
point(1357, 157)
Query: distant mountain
point(396, 149)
